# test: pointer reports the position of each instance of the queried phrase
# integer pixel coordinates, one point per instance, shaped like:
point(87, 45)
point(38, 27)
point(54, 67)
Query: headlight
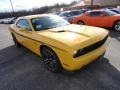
point(77, 53)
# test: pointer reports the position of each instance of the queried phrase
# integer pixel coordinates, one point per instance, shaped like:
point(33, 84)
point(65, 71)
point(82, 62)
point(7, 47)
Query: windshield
point(110, 13)
point(47, 22)
point(76, 13)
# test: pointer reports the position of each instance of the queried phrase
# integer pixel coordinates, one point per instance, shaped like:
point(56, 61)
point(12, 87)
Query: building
point(106, 2)
point(96, 3)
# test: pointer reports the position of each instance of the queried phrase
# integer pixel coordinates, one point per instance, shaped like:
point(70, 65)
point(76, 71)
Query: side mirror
point(87, 14)
point(102, 15)
point(22, 29)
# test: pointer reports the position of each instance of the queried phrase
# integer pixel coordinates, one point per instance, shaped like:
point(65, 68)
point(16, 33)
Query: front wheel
point(51, 60)
point(116, 26)
point(80, 23)
point(17, 44)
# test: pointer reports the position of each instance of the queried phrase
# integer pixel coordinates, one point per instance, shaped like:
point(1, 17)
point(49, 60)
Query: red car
point(101, 18)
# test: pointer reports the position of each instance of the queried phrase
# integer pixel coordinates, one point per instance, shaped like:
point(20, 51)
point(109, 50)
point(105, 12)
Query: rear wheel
point(80, 23)
point(51, 60)
point(116, 26)
point(17, 44)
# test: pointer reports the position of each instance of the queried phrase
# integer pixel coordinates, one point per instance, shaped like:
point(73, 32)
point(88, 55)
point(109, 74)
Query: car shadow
point(21, 69)
point(11, 53)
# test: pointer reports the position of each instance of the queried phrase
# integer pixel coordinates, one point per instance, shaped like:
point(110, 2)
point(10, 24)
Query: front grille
point(91, 47)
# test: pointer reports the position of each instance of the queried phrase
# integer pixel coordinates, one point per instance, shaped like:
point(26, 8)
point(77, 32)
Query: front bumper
point(72, 64)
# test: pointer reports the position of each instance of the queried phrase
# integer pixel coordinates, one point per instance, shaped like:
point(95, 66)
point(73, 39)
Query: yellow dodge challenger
point(61, 44)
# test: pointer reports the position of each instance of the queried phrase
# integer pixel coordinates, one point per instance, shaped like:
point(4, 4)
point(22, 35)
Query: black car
point(69, 14)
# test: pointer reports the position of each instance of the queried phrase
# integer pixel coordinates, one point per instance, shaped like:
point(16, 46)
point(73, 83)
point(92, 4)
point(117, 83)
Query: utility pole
point(91, 4)
point(12, 5)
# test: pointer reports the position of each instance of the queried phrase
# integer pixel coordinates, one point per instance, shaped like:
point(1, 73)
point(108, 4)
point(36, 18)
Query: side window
point(23, 23)
point(95, 14)
point(76, 13)
point(68, 14)
point(65, 14)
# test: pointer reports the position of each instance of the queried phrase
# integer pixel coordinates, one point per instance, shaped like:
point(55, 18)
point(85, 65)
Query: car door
point(26, 37)
point(96, 18)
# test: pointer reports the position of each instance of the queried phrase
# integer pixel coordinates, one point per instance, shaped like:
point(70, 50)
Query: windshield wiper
point(51, 27)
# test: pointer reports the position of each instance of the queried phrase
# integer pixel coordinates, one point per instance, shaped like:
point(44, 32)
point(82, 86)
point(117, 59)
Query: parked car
point(67, 15)
point(9, 20)
point(1, 21)
point(61, 44)
point(101, 18)
point(12, 21)
point(5, 21)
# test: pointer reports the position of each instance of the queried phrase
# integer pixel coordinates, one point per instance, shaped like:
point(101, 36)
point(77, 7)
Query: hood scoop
point(61, 31)
point(58, 31)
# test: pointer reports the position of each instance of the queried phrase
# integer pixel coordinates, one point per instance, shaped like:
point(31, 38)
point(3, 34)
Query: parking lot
point(20, 69)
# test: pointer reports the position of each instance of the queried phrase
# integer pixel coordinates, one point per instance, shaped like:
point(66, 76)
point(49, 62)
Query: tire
point(17, 44)
point(50, 59)
point(80, 23)
point(116, 26)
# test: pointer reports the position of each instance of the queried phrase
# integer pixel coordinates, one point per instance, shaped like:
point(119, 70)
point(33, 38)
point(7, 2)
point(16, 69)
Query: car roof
point(102, 10)
point(34, 16)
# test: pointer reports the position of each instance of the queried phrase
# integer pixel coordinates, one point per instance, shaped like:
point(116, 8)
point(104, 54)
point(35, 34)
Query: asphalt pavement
point(20, 69)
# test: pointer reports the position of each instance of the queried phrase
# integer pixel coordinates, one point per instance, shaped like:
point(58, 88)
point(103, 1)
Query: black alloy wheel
point(80, 23)
point(17, 44)
point(116, 26)
point(51, 60)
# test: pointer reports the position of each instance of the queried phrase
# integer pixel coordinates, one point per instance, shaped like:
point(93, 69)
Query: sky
point(28, 4)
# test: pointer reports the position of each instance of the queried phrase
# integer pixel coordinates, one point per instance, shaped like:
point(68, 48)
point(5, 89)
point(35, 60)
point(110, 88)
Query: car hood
point(75, 36)
point(117, 16)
